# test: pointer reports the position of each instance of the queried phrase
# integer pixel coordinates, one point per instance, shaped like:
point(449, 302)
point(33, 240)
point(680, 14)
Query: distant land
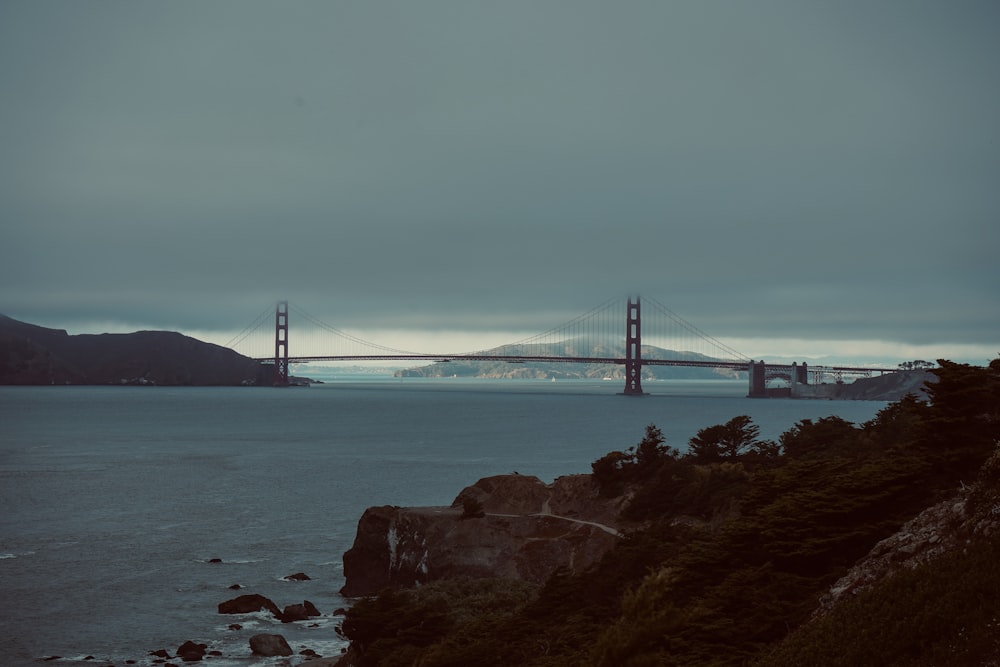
point(574, 371)
point(889, 387)
point(34, 355)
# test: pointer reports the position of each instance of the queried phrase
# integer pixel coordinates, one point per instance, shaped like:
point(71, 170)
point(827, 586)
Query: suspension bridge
point(653, 336)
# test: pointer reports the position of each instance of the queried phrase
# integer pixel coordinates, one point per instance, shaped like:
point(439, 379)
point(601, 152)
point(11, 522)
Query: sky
point(793, 176)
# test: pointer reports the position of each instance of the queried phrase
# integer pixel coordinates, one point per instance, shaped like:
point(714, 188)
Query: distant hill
point(34, 355)
point(563, 370)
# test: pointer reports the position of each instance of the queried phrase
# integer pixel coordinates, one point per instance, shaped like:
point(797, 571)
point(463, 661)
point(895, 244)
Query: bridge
point(658, 337)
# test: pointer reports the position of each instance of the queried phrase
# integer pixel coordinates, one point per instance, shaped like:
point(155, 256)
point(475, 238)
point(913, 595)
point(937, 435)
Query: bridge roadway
point(514, 359)
point(618, 361)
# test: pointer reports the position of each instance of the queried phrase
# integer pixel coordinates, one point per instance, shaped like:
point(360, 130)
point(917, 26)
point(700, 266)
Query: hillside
point(888, 387)
point(842, 544)
point(34, 355)
point(575, 371)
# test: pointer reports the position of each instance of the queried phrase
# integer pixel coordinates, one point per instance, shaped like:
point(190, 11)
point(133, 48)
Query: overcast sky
point(826, 172)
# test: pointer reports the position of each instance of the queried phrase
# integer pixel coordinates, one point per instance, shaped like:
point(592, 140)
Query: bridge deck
point(617, 361)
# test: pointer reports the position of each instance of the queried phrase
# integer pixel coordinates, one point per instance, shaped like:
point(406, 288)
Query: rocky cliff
point(507, 526)
point(31, 355)
point(970, 516)
point(888, 387)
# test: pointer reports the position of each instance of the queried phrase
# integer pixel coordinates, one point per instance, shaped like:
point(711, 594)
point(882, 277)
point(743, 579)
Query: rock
point(160, 653)
point(269, 645)
point(529, 530)
point(214, 560)
point(246, 604)
point(340, 611)
point(235, 587)
point(888, 387)
point(298, 576)
point(190, 651)
point(931, 533)
point(299, 612)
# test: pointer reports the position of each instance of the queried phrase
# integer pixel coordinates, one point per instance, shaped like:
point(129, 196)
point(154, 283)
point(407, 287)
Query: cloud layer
point(775, 169)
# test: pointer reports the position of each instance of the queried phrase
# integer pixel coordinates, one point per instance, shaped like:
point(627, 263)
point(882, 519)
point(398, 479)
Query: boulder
point(190, 651)
point(299, 612)
point(530, 529)
point(298, 576)
point(269, 645)
point(246, 604)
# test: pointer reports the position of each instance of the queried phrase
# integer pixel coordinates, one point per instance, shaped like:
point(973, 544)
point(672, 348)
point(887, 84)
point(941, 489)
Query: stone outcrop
point(528, 530)
point(269, 645)
point(247, 604)
point(888, 387)
point(973, 513)
point(191, 651)
point(299, 612)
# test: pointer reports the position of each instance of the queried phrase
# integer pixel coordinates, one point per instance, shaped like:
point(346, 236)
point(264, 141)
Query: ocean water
point(114, 500)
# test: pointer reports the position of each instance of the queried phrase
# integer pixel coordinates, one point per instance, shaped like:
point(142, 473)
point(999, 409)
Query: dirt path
point(547, 511)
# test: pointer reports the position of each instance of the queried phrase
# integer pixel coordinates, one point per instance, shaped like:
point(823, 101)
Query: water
point(113, 500)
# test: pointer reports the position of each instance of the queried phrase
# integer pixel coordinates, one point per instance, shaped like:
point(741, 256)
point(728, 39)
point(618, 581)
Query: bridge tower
point(633, 349)
point(758, 379)
point(281, 344)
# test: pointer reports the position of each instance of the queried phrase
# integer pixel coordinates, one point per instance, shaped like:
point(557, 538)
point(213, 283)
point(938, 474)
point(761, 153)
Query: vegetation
point(472, 508)
point(738, 540)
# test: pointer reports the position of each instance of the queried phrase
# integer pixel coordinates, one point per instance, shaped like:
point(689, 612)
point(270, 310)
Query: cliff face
point(973, 514)
point(527, 531)
point(888, 387)
point(31, 355)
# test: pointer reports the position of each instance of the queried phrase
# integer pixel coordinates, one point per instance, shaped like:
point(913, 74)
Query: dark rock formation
point(246, 604)
point(529, 530)
point(888, 387)
point(298, 576)
point(269, 645)
point(299, 612)
point(190, 651)
point(31, 354)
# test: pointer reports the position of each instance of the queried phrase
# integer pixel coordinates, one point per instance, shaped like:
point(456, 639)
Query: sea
point(128, 513)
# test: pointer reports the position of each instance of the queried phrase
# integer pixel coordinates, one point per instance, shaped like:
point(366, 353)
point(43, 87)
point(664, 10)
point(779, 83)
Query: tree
point(729, 441)
point(962, 423)
point(827, 436)
point(916, 364)
point(650, 451)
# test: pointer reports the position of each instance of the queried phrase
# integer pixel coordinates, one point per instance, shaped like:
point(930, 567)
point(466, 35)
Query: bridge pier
point(633, 349)
point(799, 375)
point(757, 370)
point(281, 344)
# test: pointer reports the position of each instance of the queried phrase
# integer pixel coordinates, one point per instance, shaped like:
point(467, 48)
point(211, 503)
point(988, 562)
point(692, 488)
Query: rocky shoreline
point(261, 644)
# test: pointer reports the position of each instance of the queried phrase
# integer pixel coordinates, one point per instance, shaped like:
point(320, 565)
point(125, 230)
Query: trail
point(547, 511)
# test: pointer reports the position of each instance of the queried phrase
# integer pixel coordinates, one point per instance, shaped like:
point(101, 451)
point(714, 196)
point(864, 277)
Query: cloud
point(775, 170)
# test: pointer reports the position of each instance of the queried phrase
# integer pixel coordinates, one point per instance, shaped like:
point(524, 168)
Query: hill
point(842, 544)
point(34, 355)
point(572, 371)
